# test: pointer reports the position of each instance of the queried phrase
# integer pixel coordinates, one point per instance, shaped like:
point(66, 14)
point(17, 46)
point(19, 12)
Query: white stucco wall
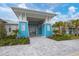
point(12, 26)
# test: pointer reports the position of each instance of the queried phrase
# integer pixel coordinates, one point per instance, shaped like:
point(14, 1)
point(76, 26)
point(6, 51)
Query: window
point(9, 29)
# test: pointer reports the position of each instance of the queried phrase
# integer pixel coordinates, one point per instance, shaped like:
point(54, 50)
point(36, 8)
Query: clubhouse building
point(33, 23)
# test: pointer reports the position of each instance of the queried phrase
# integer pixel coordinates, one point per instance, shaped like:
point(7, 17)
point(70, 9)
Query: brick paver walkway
point(40, 46)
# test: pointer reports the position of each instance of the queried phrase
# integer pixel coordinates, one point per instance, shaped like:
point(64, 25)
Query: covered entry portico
point(35, 26)
point(33, 23)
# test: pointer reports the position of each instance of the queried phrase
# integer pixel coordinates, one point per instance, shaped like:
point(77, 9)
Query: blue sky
point(65, 11)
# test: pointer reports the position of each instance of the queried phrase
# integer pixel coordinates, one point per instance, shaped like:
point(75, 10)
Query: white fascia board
point(43, 14)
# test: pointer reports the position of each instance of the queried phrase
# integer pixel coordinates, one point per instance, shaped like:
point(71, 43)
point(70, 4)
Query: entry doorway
point(35, 27)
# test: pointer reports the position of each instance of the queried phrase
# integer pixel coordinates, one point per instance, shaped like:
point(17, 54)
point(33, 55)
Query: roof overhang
point(8, 21)
point(32, 13)
point(3, 20)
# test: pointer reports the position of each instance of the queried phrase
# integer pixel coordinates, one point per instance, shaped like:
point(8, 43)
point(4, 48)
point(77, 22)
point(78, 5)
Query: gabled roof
point(9, 21)
point(33, 12)
point(2, 20)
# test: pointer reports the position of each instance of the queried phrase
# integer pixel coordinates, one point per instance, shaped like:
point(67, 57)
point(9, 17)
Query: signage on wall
point(23, 27)
point(48, 28)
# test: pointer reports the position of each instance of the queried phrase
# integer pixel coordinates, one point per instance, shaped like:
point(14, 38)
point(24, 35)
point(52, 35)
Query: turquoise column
point(23, 29)
point(46, 29)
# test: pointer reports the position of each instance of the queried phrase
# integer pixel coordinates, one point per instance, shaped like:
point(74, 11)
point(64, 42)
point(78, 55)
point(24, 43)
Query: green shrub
point(6, 42)
point(14, 32)
point(23, 41)
point(2, 33)
point(11, 37)
point(61, 37)
point(74, 37)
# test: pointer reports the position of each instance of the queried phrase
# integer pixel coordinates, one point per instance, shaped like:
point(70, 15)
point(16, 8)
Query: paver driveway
point(42, 46)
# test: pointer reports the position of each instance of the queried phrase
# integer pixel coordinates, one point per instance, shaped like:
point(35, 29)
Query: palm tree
point(75, 24)
point(2, 30)
point(59, 25)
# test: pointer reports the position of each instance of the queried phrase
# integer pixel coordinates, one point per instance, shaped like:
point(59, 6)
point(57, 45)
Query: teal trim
point(23, 29)
point(43, 30)
point(47, 30)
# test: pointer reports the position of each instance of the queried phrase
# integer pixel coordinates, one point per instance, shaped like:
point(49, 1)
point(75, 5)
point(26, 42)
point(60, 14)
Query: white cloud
point(61, 17)
point(48, 11)
point(22, 5)
point(33, 7)
point(7, 13)
point(72, 14)
point(58, 13)
point(75, 16)
point(66, 17)
point(72, 9)
point(6, 9)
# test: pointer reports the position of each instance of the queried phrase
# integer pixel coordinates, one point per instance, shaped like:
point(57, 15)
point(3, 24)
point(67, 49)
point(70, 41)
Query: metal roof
point(33, 12)
point(9, 21)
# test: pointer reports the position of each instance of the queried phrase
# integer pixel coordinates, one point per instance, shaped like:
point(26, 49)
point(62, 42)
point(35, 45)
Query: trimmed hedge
point(6, 42)
point(61, 37)
point(11, 37)
point(74, 36)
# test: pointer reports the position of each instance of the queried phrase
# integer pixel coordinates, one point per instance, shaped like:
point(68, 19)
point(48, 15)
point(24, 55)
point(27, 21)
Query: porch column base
point(23, 29)
point(46, 30)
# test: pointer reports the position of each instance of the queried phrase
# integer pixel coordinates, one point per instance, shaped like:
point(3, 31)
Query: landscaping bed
point(61, 37)
point(74, 36)
point(9, 41)
point(12, 39)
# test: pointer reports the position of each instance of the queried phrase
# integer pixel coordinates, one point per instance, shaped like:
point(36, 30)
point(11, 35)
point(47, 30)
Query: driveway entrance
point(40, 46)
